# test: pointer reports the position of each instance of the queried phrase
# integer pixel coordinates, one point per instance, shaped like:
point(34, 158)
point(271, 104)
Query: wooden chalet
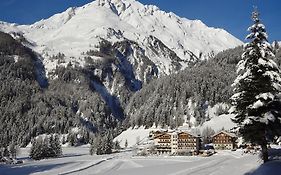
point(188, 142)
point(224, 140)
point(163, 143)
point(175, 142)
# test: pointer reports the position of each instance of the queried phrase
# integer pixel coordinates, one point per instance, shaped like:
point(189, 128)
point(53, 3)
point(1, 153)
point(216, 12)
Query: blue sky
point(232, 15)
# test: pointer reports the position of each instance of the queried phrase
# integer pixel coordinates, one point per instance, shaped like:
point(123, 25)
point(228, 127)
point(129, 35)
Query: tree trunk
point(264, 152)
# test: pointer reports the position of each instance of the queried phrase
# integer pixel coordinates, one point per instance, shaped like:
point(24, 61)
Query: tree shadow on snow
point(73, 155)
point(272, 167)
point(28, 169)
point(268, 168)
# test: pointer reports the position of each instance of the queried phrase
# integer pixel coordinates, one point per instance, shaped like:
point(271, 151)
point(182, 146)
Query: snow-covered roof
point(227, 133)
point(194, 135)
point(162, 133)
point(175, 133)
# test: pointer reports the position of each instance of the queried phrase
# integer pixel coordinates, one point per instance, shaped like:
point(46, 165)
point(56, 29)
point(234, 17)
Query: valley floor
point(78, 161)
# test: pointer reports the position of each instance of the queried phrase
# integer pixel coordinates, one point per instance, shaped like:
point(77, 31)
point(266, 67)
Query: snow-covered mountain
point(90, 61)
point(170, 42)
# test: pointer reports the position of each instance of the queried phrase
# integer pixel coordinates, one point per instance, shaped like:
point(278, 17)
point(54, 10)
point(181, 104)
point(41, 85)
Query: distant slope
point(186, 96)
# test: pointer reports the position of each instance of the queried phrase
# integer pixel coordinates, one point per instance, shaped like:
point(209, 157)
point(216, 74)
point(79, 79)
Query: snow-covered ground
point(78, 161)
point(73, 159)
point(219, 122)
point(133, 135)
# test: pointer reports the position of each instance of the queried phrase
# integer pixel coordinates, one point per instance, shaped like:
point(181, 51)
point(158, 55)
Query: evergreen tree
point(56, 146)
point(116, 145)
point(13, 149)
point(102, 145)
point(92, 149)
point(95, 145)
point(207, 134)
point(48, 143)
point(45, 147)
point(107, 143)
point(6, 152)
point(36, 151)
point(256, 103)
point(126, 143)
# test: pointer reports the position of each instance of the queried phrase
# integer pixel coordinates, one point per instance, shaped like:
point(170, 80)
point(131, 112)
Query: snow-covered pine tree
point(256, 102)
point(48, 143)
point(55, 149)
point(6, 152)
point(207, 134)
point(116, 145)
point(13, 149)
point(45, 147)
point(57, 146)
point(276, 46)
point(107, 143)
point(102, 144)
point(98, 145)
point(37, 149)
point(95, 145)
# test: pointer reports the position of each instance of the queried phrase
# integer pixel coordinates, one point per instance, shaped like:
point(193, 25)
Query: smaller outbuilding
point(224, 140)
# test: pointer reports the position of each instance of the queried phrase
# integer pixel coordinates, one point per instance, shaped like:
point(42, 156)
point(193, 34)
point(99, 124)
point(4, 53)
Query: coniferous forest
point(32, 105)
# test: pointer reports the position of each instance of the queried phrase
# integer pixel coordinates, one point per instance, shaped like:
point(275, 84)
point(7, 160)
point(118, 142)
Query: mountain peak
point(118, 6)
point(78, 30)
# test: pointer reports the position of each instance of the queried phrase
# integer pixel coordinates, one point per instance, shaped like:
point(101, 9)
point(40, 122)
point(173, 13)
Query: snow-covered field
point(78, 161)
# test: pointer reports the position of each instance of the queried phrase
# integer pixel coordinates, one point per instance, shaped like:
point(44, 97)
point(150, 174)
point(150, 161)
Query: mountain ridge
point(131, 20)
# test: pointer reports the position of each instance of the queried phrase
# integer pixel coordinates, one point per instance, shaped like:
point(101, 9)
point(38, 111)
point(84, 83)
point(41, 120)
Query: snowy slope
point(133, 135)
point(219, 122)
point(78, 30)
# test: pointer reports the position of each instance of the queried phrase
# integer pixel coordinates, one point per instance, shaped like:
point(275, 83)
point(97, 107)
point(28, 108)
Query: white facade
point(176, 142)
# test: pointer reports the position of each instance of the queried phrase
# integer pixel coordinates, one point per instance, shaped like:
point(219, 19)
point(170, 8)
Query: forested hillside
point(28, 110)
point(120, 91)
point(173, 99)
point(18, 85)
point(73, 100)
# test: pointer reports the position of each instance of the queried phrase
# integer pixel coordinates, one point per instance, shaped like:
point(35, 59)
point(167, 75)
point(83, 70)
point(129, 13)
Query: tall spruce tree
point(256, 102)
